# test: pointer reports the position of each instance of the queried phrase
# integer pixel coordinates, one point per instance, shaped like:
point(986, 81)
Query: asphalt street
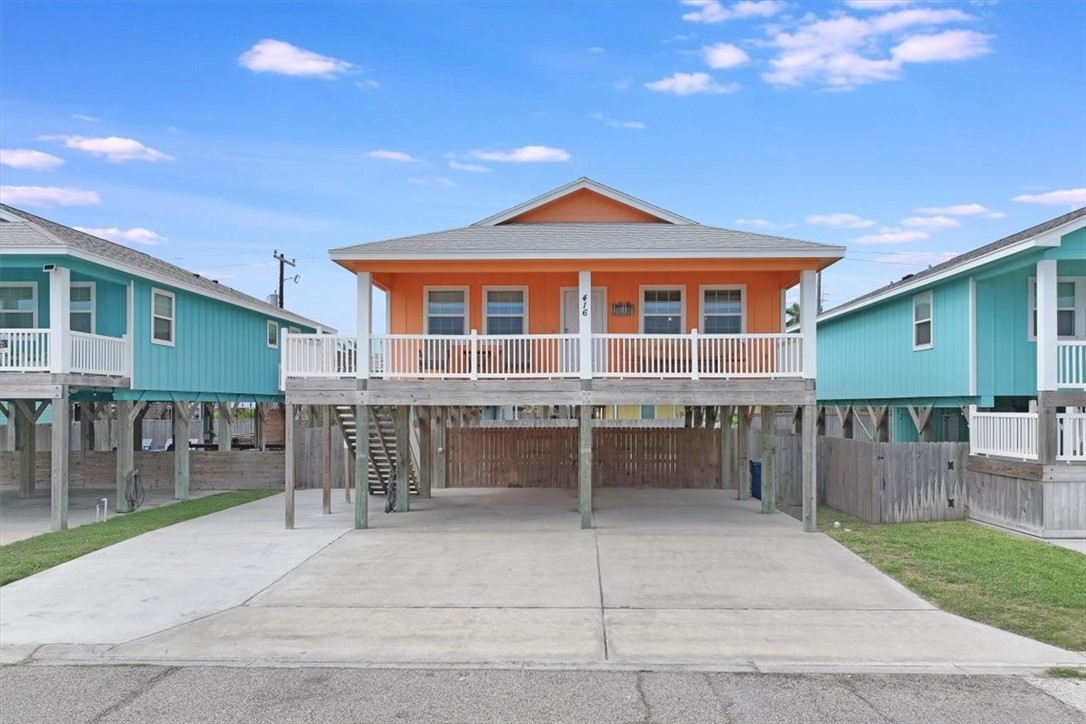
point(146, 694)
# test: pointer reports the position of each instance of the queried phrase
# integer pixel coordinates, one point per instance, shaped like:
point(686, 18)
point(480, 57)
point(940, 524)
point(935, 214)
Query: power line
point(283, 263)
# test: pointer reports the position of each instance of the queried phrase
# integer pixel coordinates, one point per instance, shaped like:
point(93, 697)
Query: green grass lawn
point(27, 557)
point(1027, 587)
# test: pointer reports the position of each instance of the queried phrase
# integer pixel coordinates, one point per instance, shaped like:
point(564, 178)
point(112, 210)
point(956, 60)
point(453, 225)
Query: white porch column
point(60, 351)
point(365, 324)
point(1046, 324)
point(808, 312)
point(584, 322)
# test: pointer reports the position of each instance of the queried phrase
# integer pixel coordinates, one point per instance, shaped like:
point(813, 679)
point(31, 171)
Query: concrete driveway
point(500, 577)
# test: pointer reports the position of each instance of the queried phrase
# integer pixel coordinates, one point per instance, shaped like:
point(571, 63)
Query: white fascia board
point(1050, 238)
point(828, 252)
point(579, 184)
point(165, 280)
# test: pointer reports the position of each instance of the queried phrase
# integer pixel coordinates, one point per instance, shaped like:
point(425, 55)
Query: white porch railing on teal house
point(45, 350)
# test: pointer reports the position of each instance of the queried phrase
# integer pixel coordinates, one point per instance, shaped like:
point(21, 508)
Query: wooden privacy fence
point(894, 482)
point(547, 457)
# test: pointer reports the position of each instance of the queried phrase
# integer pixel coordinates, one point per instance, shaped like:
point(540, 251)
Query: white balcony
point(35, 350)
point(1015, 435)
point(1071, 364)
point(548, 356)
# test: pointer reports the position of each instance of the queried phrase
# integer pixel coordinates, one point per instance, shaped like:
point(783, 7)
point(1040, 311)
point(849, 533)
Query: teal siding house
point(989, 346)
point(88, 322)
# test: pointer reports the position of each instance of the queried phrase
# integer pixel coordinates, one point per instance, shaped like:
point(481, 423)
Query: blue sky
point(210, 134)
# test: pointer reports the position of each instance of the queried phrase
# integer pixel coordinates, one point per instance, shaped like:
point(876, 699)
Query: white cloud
point(844, 51)
point(398, 156)
point(47, 196)
point(876, 4)
point(367, 85)
point(714, 11)
point(616, 123)
point(135, 235)
point(431, 181)
point(931, 223)
point(473, 167)
point(762, 224)
point(684, 84)
point(524, 154)
point(27, 159)
point(595, 49)
point(277, 56)
point(724, 55)
point(948, 45)
point(1067, 197)
point(840, 221)
point(88, 119)
point(962, 210)
point(113, 148)
point(890, 235)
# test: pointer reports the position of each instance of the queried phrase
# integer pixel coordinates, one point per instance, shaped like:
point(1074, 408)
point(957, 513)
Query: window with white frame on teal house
point(81, 307)
point(273, 333)
point(18, 305)
point(162, 317)
point(923, 319)
point(1070, 308)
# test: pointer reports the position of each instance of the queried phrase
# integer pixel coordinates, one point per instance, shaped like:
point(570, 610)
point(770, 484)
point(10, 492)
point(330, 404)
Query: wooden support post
point(438, 442)
point(584, 467)
point(922, 420)
point(810, 470)
point(288, 475)
point(127, 412)
point(207, 420)
point(227, 413)
point(326, 458)
point(880, 420)
point(425, 457)
point(769, 450)
point(848, 422)
point(106, 443)
point(725, 446)
point(1047, 429)
point(260, 422)
point(742, 446)
point(59, 457)
point(88, 413)
point(797, 420)
point(361, 466)
point(820, 421)
point(348, 472)
point(8, 411)
point(26, 442)
point(403, 458)
point(182, 416)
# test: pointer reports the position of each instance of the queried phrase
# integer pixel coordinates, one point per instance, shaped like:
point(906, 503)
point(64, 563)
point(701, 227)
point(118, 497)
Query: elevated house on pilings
point(91, 323)
point(989, 347)
point(583, 298)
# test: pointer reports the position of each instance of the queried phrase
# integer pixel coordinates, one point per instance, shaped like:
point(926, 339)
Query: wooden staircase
point(382, 439)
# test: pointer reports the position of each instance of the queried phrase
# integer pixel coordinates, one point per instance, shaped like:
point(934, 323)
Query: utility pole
point(282, 259)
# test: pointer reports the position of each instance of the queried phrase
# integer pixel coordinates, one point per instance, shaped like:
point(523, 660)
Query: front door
point(571, 325)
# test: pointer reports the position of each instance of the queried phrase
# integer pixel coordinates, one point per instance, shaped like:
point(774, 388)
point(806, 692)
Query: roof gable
point(584, 201)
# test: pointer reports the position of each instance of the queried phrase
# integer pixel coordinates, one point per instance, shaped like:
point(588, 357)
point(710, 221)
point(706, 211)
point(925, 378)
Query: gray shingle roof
point(913, 279)
point(583, 240)
point(35, 232)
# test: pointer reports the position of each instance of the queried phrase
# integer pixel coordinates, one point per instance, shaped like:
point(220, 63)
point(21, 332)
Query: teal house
point(109, 329)
point(989, 347)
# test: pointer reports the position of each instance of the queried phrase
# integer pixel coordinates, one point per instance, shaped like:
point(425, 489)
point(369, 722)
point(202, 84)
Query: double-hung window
point(273, 333)
point(923, 318)
point(1070, 308)
point(446, 311)
point(163, 317)
point(722, 310)
point(506, 311)
point(662, 311)
point(18, 305)
point(81, 307)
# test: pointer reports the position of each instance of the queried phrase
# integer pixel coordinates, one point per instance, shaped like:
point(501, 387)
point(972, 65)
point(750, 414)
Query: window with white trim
point(18, 305)
point(923, 317)
point(273, 333)
point(81, 307)
point(722, 310)
point(662, 311)
point(506, 311)
point(163, 317)
point(1070, 308)
point(446, 311)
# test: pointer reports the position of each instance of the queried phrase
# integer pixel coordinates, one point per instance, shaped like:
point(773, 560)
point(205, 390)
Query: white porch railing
point(1006, 434)
point(1071, 364)
point(95, 354)
point(547, 356)
point(1071, 436)
point(27, 350)
point(24, 350)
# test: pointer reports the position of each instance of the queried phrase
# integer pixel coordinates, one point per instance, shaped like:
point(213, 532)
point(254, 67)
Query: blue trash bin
point(756, 479)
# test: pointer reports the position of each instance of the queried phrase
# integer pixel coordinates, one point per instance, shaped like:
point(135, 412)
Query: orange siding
point(763, 299)
point(583, 206)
